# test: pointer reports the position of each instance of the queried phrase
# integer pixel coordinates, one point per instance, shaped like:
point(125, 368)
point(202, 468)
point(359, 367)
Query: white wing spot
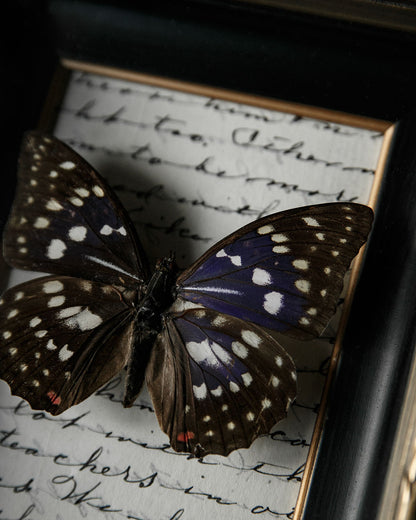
point(303, 285)
point(202, 352)
point(12, 351)
point(279, 361)
point(107, 230)
point(7, 334)
point(247, 379)
point(320, 236)
point(231, 425)
point(219, 320)
point(293, 375)
point(251, 338)
point(53, 286)
point(235, 260)
point(217, 391)
point(77, 233)
point(23, 250)
point(239, 349)
point(335, 253)
point(327, 270)
point(35, 382)
point(209, 433)
point(23, 367)
point(41, 223)
point(343, 240)
point(84, 320)
point(281, 249)
point(221, 353)
point(56, 249)
point(50, 345)
point(53, 174)
point(207, 418)
point(234, 387)
point(200, 392)
point(266, 403)
point(56, 301)
point(37, 355)
point(41, 333)
point(273, 302)
point(265, 230)
point(67, 165)
point(323, 293)
point(64, 354)
point(45, 372)
point(86, 285)
point(82, 192)
point(312, 311)
point(34, 322)
point(301, 264)
point(76, 201)
point(69, 311)
point(30, 199)
point(304, 321)
point(279, 238)
point(348, 228)
point(54, 205)
point(12, 313)
point(310, 221)
point(274, 381)
point(250, 416)
point(261, 277)
point(33, 182)
point(98, 191)
point(224, 407)
point(21, 239)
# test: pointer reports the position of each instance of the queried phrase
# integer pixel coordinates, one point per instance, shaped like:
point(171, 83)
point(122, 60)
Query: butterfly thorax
point(152, 301)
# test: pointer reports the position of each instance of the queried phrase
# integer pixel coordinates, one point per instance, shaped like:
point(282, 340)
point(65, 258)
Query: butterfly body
point(202, 340)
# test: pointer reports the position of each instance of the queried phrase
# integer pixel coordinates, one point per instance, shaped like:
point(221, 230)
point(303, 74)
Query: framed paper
point(191, 164)
point(220, 89)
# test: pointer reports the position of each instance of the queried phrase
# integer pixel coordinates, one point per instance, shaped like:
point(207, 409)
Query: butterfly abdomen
point(154, 299)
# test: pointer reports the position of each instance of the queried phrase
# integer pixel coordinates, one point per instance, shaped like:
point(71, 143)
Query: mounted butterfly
point(217, 377)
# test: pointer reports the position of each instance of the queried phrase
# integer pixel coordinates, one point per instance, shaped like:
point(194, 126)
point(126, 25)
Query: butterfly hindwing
point(61, 339)
point(66, 220)
point(217, 382)
point(283, 272)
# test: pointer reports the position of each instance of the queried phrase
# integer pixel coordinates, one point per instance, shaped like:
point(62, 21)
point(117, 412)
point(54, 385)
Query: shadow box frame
point(368, 473)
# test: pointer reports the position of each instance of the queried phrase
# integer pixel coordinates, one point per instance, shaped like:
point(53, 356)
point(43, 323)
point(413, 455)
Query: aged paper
point(189, 169)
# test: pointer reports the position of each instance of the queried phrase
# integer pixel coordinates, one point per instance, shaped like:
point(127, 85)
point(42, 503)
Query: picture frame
point(360, 474)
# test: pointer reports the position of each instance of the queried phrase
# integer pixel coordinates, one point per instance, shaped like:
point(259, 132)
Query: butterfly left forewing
point(217, 382)
point(61, 339)
point(283, 272)
point(66, 220)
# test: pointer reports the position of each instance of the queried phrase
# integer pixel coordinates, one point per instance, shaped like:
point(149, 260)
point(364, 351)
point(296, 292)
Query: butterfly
point(202, 339)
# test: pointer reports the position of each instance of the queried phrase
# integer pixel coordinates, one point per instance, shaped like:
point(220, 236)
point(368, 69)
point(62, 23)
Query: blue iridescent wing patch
point(283, 272)
point(217, 377)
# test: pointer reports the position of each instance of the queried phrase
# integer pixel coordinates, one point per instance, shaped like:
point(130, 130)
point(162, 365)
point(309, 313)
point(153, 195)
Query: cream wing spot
point(279, 361)
point(12, 314)
point(234, 387)
point(310, 221)
point(67, 165)
point(13, 351)
point(52, 286)
point(231, 425)
point(64, 353)
point(7, 334)
point(50, 345)
point(281, 250)
point(266, 403)
point(273, 302)
point(239, 349)
point(217, 392)
point(54, 205)
point(77, 233)
point(303, 265)
point(34, 322)
point(98, 191)
point(76, 201)
point(261, 277)
point(82, 192)
point(200, 392)
point(250, 416)
point(41, 223)
point(41, 333)
point(265, 230)
point(56, 301)
point(251, 338)
point(247, 378)
point(303, 285)
point(279, 238)
point(56, 249)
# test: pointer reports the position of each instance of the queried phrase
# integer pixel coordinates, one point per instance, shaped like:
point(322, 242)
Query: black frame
point(332, 63)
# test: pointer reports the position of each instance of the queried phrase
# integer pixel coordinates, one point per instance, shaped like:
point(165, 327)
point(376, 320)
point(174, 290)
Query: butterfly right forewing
point(65, 219)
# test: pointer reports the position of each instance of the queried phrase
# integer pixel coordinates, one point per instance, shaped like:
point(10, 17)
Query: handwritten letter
point(189, 169)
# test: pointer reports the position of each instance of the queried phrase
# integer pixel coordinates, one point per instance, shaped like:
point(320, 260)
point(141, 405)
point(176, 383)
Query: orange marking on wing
point(185, 436)
point(55, 399)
